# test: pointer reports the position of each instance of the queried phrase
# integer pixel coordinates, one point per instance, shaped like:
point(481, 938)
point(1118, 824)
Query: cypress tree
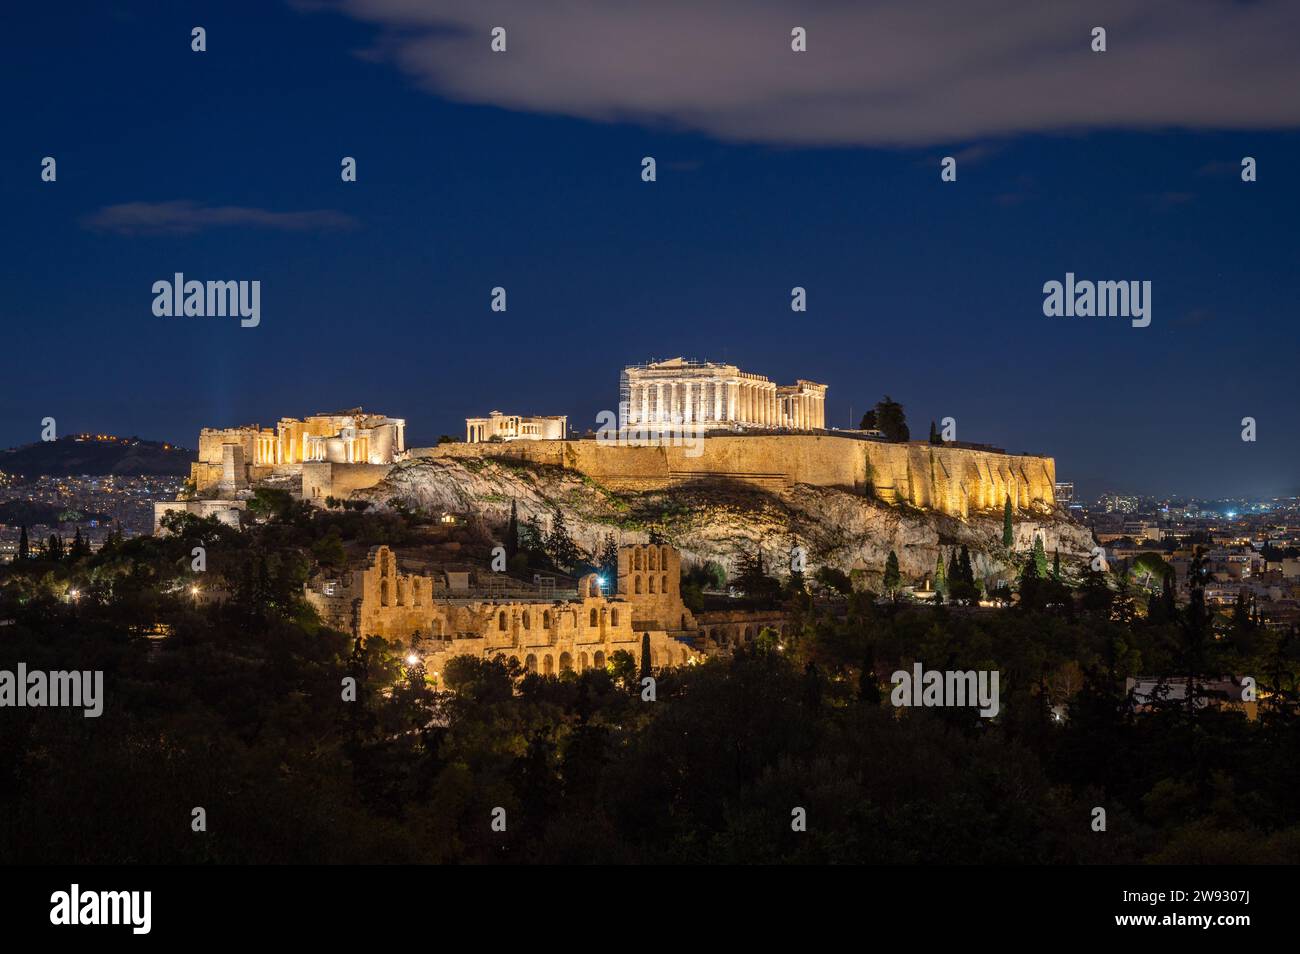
point(967, 571)
point(954, 568)
point(940, 577)
point(892, 575)
point(512, 532)
point(1007, 536)
point(24, 546)
point(1056, 564)
point(645, 655)
point(1040, 558)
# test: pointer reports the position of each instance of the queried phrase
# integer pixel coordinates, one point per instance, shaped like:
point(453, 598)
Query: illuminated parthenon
point(711, 394)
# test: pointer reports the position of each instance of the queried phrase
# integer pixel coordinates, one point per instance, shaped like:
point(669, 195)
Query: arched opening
point(598, 660)
point(650, 561)
point(528, 623)
point(638, 586)
point(531, 663)
point(652, 584)
point(664, 588)
point(593, 622)
point(501, 621)
point(548, 665)
point(566, 662)
point(383, 592)
point(613, 617)
point(546, 619)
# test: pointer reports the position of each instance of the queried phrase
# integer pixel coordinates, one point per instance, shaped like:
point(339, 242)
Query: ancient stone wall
point(954, 480)
point(546, 636)
point(322, 479)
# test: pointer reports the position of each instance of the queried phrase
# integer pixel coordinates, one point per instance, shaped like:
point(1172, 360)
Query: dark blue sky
point(930, 292)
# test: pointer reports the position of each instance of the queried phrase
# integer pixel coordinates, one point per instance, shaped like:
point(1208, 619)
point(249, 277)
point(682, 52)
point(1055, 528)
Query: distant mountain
point(97, 454)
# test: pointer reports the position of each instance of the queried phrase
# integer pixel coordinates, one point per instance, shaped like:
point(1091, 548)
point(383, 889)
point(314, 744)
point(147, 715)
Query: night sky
point(775, 169)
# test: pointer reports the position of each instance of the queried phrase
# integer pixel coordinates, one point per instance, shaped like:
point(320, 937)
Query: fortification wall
point(322, 479)
point(953, 480)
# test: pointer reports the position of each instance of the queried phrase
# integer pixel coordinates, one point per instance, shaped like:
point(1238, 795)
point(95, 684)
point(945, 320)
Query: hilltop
point(720, 521)
point(97, 454)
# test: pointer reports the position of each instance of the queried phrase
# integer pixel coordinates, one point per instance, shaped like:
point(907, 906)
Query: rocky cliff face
point(721, 521)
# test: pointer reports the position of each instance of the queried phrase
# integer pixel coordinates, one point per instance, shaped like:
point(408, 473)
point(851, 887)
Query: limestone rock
point(721, 521)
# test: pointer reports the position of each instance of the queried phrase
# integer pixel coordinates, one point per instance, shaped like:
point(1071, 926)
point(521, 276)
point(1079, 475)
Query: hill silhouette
point(90, 454)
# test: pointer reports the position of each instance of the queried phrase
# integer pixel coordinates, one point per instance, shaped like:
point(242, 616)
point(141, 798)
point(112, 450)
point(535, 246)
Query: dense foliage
point(238, 707)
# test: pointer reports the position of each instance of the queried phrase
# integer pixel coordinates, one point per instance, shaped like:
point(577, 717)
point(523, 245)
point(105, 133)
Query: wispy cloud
point(887, 73)
point(183, 217)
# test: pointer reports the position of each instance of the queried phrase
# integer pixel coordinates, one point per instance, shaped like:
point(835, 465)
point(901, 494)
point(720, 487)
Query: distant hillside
point(25, 513)
point(71, 456)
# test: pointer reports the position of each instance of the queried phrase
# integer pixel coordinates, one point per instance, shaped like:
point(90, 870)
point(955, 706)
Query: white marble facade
point(711, 394)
